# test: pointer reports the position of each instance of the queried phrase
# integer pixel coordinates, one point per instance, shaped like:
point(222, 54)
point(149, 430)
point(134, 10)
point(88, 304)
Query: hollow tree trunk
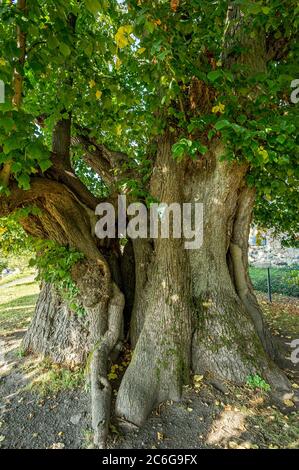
point(143, 253)
point(161, 360)
point(55, 331)
point(192, 313)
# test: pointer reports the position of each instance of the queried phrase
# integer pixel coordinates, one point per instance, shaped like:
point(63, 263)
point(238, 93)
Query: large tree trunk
point(162, 312)
point(230, 340)
point(55, 331)
point(192, 313)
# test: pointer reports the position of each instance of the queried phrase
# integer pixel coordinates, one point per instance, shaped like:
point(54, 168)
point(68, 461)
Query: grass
point(283, 280)
point(49, 378)
point(15, 277)
point(17, 305)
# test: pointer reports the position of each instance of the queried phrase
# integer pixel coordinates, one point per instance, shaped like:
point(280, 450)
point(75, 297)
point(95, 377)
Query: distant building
point(266, 250)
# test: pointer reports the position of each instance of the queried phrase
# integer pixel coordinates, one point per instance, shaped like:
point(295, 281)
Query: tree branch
point(110, 165)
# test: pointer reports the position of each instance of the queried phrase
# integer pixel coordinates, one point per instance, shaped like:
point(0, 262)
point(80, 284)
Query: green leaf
point(7, 123)
point(222, 124)
point(16, 166)
point(45, 165)
point(281, 139)
point(24, 181)
point(36, 150)
point(93, 6)
point(214, 75)
point(64, 49)
point(266, 10)
point(12, 143)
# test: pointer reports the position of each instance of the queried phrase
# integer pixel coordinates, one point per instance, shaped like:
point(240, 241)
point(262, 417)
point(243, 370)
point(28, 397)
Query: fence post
point(269, 284)
point(2, 92)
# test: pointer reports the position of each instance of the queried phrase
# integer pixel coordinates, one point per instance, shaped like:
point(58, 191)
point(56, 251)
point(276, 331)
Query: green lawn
point(283, 280)
point(17, 306)
point(14, 277)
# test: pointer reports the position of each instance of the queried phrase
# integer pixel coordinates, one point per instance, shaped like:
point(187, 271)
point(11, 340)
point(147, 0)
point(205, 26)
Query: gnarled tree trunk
point(192, 313)
point(55, 331)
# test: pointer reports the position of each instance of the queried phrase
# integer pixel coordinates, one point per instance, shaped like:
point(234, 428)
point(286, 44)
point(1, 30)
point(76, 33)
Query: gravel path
point(210, 416)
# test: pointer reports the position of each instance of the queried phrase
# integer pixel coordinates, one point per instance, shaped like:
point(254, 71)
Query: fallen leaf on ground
point(58, 445)
point(288, 403)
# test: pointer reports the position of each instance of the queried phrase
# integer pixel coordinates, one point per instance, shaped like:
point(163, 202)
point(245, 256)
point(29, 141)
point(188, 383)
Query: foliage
point(54, 264)
point(125, 72)
point(255, 381)
point(13, 239)
point(283, 280)
point(3, 264)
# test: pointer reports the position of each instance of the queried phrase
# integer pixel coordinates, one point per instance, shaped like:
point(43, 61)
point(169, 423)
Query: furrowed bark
point(56, 332)
point(143, 253)
point(104, 305)
point(225, 342)
point(161, 359)
point(206, 313)
point(239, 256)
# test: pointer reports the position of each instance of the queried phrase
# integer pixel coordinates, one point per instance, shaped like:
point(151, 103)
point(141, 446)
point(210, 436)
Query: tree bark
point(55, 331)
point(195, 315)
point(104, 304)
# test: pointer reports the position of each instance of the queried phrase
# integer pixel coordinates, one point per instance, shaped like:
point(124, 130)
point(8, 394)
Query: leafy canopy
point(125, 71)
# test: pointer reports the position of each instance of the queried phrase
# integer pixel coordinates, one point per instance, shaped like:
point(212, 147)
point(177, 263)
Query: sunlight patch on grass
point(48, 378)
point(17, 305)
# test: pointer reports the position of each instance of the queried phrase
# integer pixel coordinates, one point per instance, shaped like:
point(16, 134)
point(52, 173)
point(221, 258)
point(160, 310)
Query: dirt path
point(18, 282)
point(208, 416)
point(29, 420)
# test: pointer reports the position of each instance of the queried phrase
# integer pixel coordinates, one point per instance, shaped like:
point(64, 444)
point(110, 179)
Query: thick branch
point(110, 165)
point(94, 159)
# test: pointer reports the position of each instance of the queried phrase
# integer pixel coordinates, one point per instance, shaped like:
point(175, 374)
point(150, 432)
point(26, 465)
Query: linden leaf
point(122, 37)
point(197, 378)
point(219, 108)
point(118, 63)
point(288, 403)
point(118, 130)
point(112, 376)
point(98, 94)
point(174, 4)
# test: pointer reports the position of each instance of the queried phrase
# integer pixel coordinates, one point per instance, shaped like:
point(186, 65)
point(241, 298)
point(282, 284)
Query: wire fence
point(284, 280)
